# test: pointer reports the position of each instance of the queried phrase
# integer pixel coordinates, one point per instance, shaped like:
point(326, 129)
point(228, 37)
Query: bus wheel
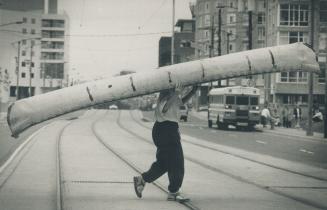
point(210, 123)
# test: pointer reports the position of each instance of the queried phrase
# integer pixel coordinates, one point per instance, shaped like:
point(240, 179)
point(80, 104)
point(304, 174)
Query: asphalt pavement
point(100, 151)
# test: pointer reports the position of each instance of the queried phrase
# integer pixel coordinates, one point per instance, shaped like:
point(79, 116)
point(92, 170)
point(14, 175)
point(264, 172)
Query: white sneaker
point(177, 197)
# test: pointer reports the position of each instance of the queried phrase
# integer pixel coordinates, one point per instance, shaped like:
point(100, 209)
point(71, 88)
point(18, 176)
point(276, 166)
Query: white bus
point(237, 106)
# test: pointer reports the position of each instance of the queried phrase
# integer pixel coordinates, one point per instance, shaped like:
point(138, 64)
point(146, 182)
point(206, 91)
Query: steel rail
point(188, 204)
point(235, 177)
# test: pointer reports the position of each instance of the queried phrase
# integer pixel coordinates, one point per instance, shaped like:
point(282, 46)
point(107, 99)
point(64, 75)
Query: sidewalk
point(292, 132)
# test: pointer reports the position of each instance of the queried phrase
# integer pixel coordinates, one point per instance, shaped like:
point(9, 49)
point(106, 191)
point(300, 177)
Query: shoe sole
point(138, 194)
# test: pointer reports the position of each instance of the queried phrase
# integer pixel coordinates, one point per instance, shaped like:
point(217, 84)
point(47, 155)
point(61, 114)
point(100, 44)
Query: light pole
point(173, 35)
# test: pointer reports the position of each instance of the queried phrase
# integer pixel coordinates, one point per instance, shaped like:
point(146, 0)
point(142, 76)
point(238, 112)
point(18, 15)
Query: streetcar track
point(189, 204)
point(241, 157)
point(23, 150)
point(238, 178)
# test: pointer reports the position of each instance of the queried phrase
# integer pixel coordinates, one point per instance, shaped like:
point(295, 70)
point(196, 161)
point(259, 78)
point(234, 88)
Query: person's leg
point(157, 169)
point(175, 169)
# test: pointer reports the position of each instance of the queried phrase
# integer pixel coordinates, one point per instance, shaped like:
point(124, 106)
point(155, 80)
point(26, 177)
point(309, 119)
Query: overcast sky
point(101, 43)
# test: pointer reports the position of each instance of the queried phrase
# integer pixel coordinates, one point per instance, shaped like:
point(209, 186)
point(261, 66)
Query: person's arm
point(169, 100)
point(190, 94)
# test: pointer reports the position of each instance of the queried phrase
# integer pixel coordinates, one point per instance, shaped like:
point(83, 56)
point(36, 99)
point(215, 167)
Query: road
point(282, 146)
point(88, 163)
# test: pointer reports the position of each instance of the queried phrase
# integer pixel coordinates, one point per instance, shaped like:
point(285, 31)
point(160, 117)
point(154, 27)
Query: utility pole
point(325, 117)
point(250, 30)
point(219, 35)
point(228, 39)
point(173, 35)
point(30, 70)
point(212, 37)
point(17, 71)
point(219, 31)
point(309, 131)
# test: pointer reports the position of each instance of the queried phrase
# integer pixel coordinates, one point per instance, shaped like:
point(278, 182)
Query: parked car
point(183, 113)
point(113, 107)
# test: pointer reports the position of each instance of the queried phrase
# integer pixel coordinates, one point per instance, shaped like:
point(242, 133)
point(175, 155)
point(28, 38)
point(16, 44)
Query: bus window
point(230, 99)
point(254, 101)
point(242, 100)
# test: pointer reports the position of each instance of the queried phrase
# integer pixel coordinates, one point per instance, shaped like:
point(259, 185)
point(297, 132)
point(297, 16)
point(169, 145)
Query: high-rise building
point(33, 40)
point(250, 24)
point(228, 26)
point(288, 22)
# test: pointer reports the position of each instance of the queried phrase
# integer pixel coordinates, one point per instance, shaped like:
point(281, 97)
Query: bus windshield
point(254, 101)
point(242, 100)
point(230, 99)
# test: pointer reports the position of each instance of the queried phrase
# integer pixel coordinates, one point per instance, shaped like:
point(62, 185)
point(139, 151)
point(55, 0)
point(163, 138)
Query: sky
point(107, 36)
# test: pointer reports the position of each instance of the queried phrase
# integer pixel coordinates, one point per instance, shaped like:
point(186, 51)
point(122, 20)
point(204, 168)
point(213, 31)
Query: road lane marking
point(261, 142)
point(306, 151)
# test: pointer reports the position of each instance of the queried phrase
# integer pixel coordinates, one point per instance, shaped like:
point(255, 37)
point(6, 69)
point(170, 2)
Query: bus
point(237, 106)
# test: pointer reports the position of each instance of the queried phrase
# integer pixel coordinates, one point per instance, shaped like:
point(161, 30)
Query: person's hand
point(178, 87)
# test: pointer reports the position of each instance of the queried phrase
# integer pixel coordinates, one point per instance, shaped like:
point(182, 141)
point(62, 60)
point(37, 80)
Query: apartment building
point(290, 21)
point(34, 51)
point(272, 22)
point(228, 26)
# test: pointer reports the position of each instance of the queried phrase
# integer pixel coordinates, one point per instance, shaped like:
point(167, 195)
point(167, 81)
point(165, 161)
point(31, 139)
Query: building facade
point(35, 50)
point(292, 21)
point(227, 26)
point(183, 44)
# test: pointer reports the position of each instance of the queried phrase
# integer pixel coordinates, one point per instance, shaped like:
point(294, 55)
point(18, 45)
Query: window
point(206, 34)
point(261, 18)
point(254, 101)
point(23, 53)
point(291, 37)
point(24, 42)
point(261, 34)
point(230, 99)
point(24, 20)
point(230, 47)
point(23, 64)
point(185, 43)
point(295, 99)
point(294, 77)
point(207, 7)
point(323, 11)
point(23, 75)
point(12, 91)
point(242, 100)
point(294, 14)
point(33, 31)
point(53, 70)
point(33, 20)
point(24, 31)
point(32, 75)
point(207, 20)
point(231, 19)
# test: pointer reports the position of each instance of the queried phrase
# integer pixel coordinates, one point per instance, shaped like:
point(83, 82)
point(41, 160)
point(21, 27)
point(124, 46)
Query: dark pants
point(169, 156)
